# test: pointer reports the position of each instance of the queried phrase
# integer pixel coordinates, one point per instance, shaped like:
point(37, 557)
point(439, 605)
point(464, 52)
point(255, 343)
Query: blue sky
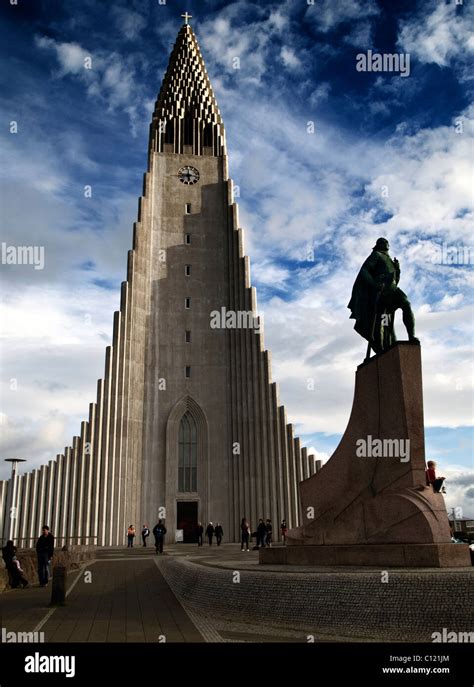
point(311, 202)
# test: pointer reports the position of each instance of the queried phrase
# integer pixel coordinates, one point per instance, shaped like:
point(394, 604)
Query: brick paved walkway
point(127, 600)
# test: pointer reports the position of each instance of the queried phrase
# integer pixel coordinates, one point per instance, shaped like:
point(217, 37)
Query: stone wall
point(72, 559)
point(410, 606)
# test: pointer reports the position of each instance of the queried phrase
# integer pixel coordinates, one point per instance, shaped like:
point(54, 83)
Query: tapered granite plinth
point(376, 509)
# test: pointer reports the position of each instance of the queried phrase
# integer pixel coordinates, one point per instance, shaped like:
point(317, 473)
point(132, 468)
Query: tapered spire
point(186, 117)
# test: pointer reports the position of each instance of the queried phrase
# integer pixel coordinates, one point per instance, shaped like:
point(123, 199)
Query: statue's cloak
point(378, 269)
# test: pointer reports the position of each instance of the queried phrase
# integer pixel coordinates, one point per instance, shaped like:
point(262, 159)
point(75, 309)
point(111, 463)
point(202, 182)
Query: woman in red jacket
point(436, 482)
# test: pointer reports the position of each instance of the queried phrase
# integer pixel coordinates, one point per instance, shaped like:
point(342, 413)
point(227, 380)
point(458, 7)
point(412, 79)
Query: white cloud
point(327, 14)
point(107, 76)
point(266, 272)
point(240, 54)
point(246, 55)
point(129, 23)
point(320, 94)
point(428, 179)
point(441, 35)
point(360, 35)
point(71, 57)
point(318, 455)
point(289, 58)
point(459, 487)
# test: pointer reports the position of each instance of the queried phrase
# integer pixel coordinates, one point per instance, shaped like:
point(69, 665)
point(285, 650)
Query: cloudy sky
point(326, 157)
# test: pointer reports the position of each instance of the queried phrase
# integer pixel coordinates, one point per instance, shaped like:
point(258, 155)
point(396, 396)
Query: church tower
point(187, 424)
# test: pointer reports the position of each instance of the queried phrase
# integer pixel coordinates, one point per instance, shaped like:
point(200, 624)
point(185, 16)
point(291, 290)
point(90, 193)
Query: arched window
point(187, 454)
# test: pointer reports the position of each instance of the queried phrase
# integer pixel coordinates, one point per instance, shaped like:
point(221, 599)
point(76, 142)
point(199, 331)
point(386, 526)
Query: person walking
point(245, 534)
point(210, 533)
point(145, 534)
point(131, 532)
point(269, 528)
point(219, 532)
point(199, 533)
point(16, 575)
point(261, 534)
point(159, 532)
point(283, 530)
point(44, 554)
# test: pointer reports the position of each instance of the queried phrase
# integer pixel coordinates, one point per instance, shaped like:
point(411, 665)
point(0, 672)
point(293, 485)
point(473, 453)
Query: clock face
point(188, 175)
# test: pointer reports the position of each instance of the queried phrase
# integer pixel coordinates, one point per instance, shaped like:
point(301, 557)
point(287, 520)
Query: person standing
point(159, 532)
point(131, 532)
point(283, 530)
point(145, 534)
point(269, 528)
point(199, 533)
point(219, 532)
point(245, 534)
point(210, 533)
point(44, 554)
point(261, 534)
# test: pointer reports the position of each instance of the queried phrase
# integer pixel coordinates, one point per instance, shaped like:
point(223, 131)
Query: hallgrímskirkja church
point(187, 424)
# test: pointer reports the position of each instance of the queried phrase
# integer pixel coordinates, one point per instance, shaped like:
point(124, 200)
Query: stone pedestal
point(376, 509)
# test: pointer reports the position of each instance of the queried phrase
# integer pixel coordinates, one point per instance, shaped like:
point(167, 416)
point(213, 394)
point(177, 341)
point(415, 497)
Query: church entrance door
point(187, 519)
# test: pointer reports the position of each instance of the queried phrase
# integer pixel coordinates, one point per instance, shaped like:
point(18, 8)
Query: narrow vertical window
point(187, 303)
point(187, 270)
point(187, 372)
point(188, 336)
point(187, 454)
point(187, 208)
point(187, 239)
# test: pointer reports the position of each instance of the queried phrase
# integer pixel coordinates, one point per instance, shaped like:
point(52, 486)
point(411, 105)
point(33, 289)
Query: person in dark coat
point(145, 534)
point(210, 533)
point(261, 533)
point(219, 532)
point(44, 553)
point(376, 297)
point(245, 534)
point(159, 532)
point(268, 538)
point(15, 573)
point(199, 533)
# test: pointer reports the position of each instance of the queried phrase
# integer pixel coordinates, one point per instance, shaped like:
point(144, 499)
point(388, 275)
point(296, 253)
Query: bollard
point(58, 591)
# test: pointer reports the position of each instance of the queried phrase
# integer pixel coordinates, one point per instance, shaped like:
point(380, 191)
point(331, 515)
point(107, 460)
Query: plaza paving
point(126, 595)
point(126, 600)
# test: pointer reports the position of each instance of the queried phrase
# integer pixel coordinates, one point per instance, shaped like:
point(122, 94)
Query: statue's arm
point(397, 270)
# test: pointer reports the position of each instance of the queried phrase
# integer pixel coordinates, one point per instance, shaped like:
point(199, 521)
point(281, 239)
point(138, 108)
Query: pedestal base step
point(377, 555)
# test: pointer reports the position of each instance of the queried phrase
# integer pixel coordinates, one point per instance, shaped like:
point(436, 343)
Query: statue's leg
point(389, 331)
point(377, 341)
point(408, 317)
point(384, 323)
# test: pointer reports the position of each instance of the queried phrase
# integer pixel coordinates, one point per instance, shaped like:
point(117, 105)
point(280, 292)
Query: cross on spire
point(186, 17)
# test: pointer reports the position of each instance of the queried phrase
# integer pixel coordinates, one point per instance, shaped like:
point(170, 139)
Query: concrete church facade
point(187, 424)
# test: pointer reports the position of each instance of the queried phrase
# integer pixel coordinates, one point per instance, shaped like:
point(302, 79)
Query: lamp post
point(11, 512)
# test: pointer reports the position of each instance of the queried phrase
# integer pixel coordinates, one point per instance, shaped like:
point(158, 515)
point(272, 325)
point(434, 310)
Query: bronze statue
point(376, 297)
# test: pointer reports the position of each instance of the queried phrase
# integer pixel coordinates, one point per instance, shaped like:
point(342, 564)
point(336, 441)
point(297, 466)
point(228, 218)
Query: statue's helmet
point(381, 244)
